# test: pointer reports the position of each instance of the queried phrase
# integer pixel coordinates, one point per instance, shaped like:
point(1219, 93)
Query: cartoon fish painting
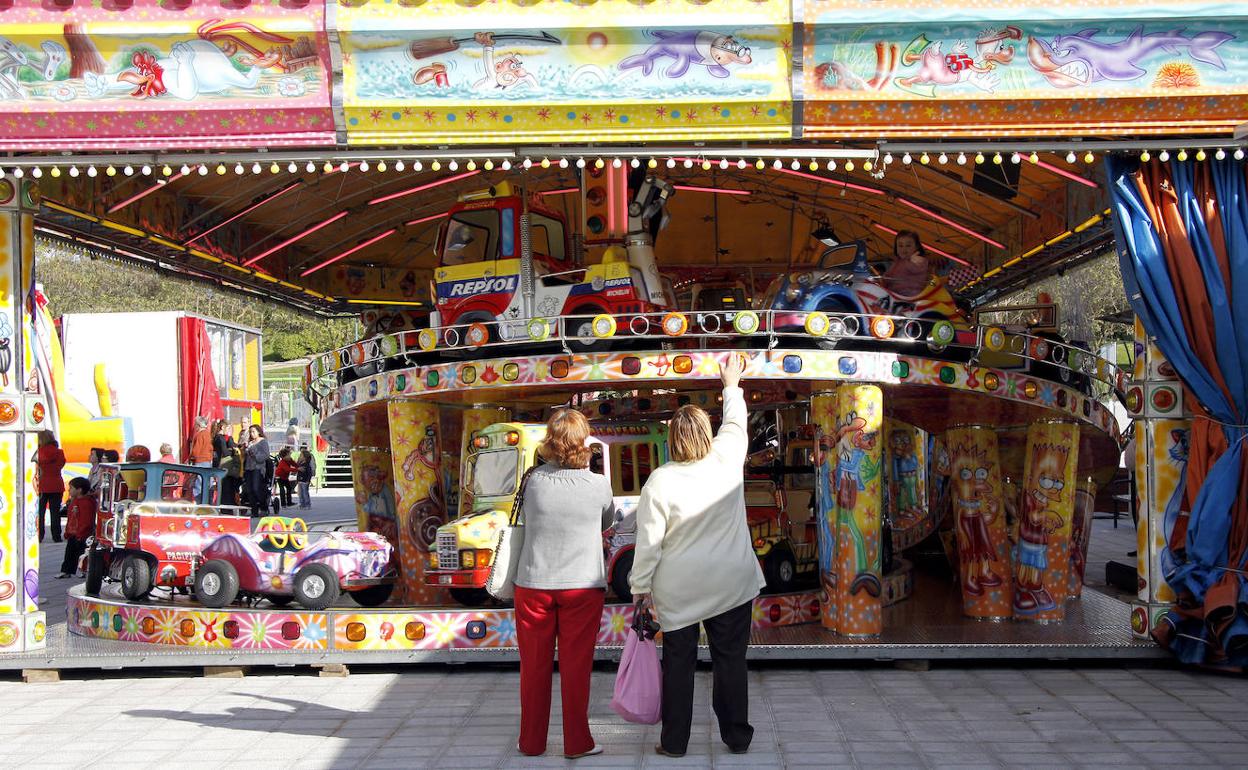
point(712, 50)
point(1081, 59)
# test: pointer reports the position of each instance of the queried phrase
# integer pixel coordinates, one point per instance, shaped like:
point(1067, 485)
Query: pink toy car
point(278, 562)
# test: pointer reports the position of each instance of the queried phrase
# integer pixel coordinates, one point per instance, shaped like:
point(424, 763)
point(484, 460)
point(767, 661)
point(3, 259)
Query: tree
point(79, 281)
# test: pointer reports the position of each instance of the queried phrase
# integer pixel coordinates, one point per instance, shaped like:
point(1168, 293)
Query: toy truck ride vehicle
point(153, 523)
point(508, 269)
point(492, 468)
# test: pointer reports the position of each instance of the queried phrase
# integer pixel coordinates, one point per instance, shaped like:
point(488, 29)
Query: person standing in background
point(292, 434)
point(307, 470)
point(166, 454)
point(221, 442)
point(255, 470)
point(79, 525)
point(201, 444)
point(286, 471)
point(49, 460)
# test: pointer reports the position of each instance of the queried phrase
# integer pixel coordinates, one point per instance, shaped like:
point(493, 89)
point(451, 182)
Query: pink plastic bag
point(639, 682)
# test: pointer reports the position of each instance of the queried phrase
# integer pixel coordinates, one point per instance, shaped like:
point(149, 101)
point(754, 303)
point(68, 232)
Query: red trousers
point(572, 617)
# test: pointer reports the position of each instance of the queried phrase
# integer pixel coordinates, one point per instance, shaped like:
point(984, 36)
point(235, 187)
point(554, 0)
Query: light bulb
point(706, 165)
point(1070, 156)
point(634, 163)
point(343, 167)
point(759, 164)
point(813, 165)
point(185, 169)
point(1200, 154)
point(220, 169)
point(906, 159)
point(310, 168)
point(128, 170)
point(961, 159)
point(652, 163)
point(364, 165)
point(416, 166)
point(3, 173)
point(327, 168)
point(580, 163)
point(1182, 156)
point(73, 171)
point(17, 172)
point(616, 163)
point(91, 172)
point(110, 171)
point(1163, 156)
point(867, 165)
point(1145, 156)
point(1015, 158)
point(545, 162)
point(274, 168)
point(1034, 158)
point(489, 165)
point(238, 168)
point(528, 163)
point(506, 165)
point(1220, 154)
point(164, 171)
point(723, 163)
point(255, 167)
point(831, 164)
point(563, 163)
point(202, 170)
point(471, 165)
point(453, 165)
point(741, 163)
point(996, 159)
point(1089, 157)
point(671, 163)
point(436, 165)
point(55, 171)
point(888, 159)
point(795, 165)
point(942, 159)
point(688, 163)
point(37, 172)
point(924, 159)
point(777, 165)
point(291, 168)
point(849, 166)
point(1239, 153)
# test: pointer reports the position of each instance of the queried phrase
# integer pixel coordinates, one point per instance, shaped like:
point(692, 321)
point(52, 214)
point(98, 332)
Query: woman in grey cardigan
point(560, 584)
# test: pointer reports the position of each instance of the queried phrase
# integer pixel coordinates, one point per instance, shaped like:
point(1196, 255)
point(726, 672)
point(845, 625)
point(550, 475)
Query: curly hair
point(564, 445)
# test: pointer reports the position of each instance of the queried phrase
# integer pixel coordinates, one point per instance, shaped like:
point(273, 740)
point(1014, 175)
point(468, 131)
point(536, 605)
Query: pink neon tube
point(294, 238)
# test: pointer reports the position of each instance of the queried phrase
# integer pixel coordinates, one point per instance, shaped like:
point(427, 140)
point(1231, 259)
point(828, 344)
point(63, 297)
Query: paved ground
point(846, 716)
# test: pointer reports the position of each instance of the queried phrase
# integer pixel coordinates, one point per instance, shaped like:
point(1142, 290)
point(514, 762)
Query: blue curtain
point(1182, 232)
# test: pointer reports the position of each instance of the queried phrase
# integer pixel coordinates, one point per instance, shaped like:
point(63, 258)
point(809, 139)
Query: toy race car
point(153, 523)
point(282, 562)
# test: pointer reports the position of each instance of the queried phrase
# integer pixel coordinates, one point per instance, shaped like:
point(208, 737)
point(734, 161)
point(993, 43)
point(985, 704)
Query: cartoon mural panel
point(859, 501)
point(94, 76)
point(979, 511)
point(421, 507)
point(566, 71)
point(890, 68)
point(1044, 532)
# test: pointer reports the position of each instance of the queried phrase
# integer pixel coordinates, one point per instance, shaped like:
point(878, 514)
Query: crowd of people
point(251, 474)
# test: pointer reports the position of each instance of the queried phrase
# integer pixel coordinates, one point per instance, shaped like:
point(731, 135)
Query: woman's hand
point(643, 603)
point(730, 370)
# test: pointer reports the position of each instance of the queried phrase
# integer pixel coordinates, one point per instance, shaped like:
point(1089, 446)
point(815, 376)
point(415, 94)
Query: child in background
point(307, 469)
point(93, 476)
point(285, 472)
point(79, 525)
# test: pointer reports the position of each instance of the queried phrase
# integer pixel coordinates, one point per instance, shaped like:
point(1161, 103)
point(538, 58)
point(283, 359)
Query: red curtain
point(199, 387)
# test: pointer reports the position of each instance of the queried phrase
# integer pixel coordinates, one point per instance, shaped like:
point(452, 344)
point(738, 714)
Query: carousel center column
point(859, 509)
point(979, 510)
point(416, 450)
point(22, 414)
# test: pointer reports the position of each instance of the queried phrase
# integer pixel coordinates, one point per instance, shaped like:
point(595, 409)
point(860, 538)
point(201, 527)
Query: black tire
point(373, 596)
point(471, 597)
point(780, 569)
point(136, 578)
point(279, 600)
point(95, 571)
point(585, 341)
point(216, 583)
point(619, 577)
point(316, 586)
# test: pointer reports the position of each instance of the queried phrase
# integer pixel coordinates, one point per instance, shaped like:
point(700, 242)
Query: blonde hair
point(689, 434)
point(47, 437)
point(564, 445)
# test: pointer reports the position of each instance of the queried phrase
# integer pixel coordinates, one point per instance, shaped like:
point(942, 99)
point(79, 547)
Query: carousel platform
point(105, 634)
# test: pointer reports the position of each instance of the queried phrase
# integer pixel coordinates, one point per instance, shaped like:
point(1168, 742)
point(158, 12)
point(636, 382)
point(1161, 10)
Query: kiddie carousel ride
point(886, 422)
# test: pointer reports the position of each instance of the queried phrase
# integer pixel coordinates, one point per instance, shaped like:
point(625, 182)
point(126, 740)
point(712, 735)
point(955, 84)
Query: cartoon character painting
point(855, 471)
point(1041, 517)
point(976, 509)
point(713, 50)
point(13, 59)
point(905, 473)
point(429, 512)
point(378, 505)
point(1070, 61)
point(960, 64)
point(1177, 457)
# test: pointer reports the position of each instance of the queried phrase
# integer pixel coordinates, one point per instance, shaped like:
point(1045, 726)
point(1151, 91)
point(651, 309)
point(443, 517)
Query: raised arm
point(732, 441)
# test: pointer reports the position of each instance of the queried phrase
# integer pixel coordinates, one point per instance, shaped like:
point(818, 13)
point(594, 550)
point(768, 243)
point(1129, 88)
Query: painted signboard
point(157, 73)
point(892, 67)
point(447, 71)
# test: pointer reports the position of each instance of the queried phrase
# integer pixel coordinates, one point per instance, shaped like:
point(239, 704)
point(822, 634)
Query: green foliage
point(76, 282)
point(1083, 295)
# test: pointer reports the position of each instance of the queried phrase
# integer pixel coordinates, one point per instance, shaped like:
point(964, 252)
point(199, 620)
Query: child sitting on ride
point(79, 524)
point(911, 269)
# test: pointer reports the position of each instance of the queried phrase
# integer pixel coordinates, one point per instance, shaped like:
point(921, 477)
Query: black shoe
point(56, 540)
point(662, 752)
point(738, 750)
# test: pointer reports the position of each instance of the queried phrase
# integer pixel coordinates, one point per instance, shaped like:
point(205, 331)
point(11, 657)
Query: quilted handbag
point(501, 584)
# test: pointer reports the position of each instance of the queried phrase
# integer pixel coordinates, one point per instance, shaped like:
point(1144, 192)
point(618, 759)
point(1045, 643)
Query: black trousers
point(73, 551)
point(285, 488)
point(52, 502)
point(728, 635)
point(257, 493)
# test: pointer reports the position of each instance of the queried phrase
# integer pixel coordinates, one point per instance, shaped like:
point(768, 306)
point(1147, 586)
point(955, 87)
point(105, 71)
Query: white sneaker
point(592, 752)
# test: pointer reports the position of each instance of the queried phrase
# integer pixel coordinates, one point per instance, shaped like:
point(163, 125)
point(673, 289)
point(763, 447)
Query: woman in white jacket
point(694, 563)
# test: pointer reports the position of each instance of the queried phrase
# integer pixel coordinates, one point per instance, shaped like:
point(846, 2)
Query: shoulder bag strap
point(515, 508)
